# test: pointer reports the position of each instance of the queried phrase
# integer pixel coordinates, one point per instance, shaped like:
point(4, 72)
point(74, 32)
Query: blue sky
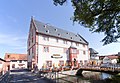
point(15, 16)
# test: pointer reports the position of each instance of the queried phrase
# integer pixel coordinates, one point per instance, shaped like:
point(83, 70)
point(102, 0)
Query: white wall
point(17, 64)
point(58, 48)
point(106, 60)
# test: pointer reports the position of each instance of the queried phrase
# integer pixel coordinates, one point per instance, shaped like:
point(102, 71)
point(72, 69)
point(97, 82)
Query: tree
point(101, 16)
point(118, 61)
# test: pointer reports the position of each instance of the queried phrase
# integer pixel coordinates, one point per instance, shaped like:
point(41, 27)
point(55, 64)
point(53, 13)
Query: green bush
point(115, 79)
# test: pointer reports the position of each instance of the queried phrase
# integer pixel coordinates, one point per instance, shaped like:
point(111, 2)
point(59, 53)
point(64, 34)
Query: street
point(24, 76)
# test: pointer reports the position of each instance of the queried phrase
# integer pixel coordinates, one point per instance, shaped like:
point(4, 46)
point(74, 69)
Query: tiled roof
point(92, 51)
point(112, 57)
point(12, 56)
point(57, 32)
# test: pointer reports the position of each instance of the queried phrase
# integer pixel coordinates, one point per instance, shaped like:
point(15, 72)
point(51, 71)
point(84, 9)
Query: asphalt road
point(24, 76)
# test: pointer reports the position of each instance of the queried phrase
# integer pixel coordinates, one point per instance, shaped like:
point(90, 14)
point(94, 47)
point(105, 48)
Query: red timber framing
point(73, 52)
point(36, 45)
point(33, 44)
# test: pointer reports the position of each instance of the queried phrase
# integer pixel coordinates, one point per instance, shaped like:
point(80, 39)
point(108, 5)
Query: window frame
point(61, 63)
point(84, 52)
point(49, 63)
point(64, 41)
point(45, 38)
point(45, 48)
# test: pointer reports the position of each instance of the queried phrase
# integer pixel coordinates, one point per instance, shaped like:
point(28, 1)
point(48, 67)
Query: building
point(50, 46)
point(93, 54)
point(113, 58)
point(110, 59)
point(14, 60)
point(94, 58)
point(2, 62)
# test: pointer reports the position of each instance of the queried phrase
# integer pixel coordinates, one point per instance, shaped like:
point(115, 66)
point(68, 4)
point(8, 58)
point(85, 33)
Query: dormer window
point(58, 34)
point(67, 33)
point(45, 25)
point(55, 29)
point(47, 31)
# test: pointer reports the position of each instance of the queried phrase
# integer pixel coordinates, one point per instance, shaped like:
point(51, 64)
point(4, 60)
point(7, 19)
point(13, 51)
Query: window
point(20, 61)
point(81, 62)
point(61, 63)
point(45, 38)
point(57, 40)
point(49, 63)
point(58, 34)
point(83, 45)
point(55, 29)
point(33, 56)
point(64, 41)
point(77, 44)
point(13, 65)
point(47, 31)
point(46, 49)
point(73, 50)
point(28, 52)
point(84, 52)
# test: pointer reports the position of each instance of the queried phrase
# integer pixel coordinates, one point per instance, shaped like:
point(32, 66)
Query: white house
point(14, 60)
point(51, 46)
point(94, 58)
point(110, 59)
point(2, 63)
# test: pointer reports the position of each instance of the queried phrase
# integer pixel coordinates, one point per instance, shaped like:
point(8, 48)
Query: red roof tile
point(112, 57)
point(12, 56)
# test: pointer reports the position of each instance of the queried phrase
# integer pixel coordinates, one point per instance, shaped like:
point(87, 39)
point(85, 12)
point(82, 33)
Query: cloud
point(13, 41)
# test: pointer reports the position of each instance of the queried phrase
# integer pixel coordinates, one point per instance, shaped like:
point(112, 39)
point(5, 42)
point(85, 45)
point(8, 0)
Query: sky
point(15, 16)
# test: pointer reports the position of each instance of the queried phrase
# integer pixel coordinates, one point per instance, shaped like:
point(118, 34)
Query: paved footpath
point(20, 76)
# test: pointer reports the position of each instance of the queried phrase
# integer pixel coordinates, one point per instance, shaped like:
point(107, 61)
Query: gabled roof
point(92, 51)
point(2, 59)
point(112, 57)
point(13, 56)
point(43, 28)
